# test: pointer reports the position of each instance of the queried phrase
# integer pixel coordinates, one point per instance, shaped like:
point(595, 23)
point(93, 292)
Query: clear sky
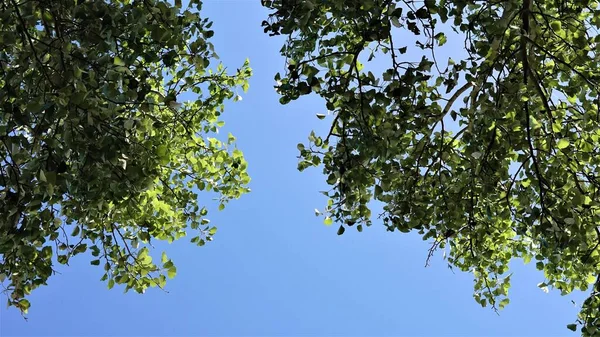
point(274, 269)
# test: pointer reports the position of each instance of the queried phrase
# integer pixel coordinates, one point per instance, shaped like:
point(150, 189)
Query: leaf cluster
point(493, 157)
point(96, 153)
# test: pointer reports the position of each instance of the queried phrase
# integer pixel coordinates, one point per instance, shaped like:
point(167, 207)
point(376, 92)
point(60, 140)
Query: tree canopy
point(96, 152)
point(494, 156)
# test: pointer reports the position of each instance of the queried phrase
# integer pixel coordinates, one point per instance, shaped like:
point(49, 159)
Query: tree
point(96, 152)
point(511, 172)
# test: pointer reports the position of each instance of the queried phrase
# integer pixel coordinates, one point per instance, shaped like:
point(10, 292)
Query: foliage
point(96, 153)
point(511, 173)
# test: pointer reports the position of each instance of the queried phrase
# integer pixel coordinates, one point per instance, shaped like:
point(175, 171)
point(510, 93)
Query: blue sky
point(274, 269)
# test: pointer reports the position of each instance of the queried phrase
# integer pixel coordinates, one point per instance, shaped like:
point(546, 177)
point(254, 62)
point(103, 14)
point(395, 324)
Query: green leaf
point(572, 327)
point(50, 177)
point(378, 191)
point(24, 305)
point(563, 143)
point(128, 125)
point(118, 61)
point(161, 150)
point(341, 230)
point(172, 272)
point(146, 259)
point(591, 279)
point(441, 39)
point(46, 252)
point(80, 248)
